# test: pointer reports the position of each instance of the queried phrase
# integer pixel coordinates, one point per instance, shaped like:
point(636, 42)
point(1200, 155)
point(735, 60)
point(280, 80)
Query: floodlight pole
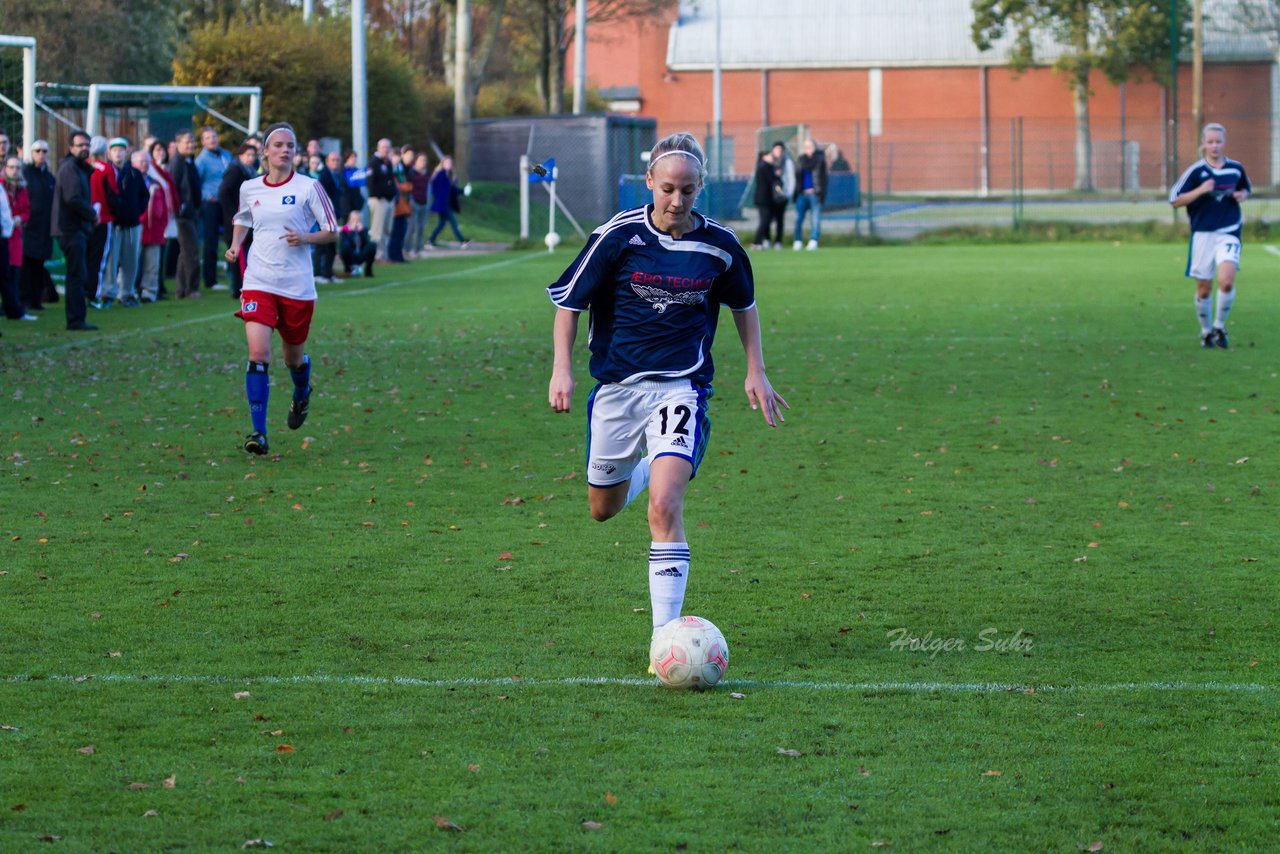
point(580, 58)
point(308, 10)
point(359, 86)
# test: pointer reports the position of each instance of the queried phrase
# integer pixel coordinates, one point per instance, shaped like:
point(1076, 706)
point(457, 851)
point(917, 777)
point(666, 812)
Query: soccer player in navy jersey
point(279, 288)
point(1211, 190)
point(653, 279)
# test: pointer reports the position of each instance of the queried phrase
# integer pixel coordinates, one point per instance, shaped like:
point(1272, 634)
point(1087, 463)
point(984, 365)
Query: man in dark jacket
point(242, 169)
point(37, 241)
point(186, 182)
point(380, 181)
point(331, 180)
point(73, 219)
point(811, 193)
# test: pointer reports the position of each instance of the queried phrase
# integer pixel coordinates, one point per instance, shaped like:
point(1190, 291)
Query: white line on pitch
point(1271, 249)
point(398, 283)
point(866, 687)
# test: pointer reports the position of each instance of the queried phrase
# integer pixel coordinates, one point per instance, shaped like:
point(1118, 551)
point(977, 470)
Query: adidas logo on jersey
point(636, 240)
point(669, 572)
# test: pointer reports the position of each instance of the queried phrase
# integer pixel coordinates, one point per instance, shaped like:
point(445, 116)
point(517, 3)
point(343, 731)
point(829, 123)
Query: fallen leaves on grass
point(241, 695)
point(992, 773)
point(333, 816)
point(257, 843)
point(284, 748)
point(87, 750)
point(610, 798)
point(592, 825)
point(1092, 846)
point(171, 781)
point(783, 751)
point(445, 824)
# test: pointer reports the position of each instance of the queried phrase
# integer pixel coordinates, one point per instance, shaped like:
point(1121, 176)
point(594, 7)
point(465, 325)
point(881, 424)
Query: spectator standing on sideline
point(103, 187)
point(186, 181)
point(404, 205)
point(330, 179)
point(768, 187)
point(380, 181)
point(785, 168)
point(211, 163)
point(156, 222)
point(811, 193)
point(244, 168)
point(355, 182)
point(421, 198)
point(358, 251)
point(126, 235)
point(15, 193)
point(835, 159)
point(37, 244)
point(73, 219)
point(444, 200)
point(161, 156)
point(4, 146)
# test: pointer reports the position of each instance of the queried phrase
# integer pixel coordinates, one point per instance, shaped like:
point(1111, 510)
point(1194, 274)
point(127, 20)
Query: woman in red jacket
point(15, 187)
point(155, 222)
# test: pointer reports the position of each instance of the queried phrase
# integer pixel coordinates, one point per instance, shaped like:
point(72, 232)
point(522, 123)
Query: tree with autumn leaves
point(1123, 39)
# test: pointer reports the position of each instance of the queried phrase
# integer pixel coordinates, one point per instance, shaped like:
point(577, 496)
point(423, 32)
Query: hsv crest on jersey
point(660, 299)
point(289, 200)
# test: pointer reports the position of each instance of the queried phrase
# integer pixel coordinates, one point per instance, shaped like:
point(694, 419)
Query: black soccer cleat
point(256, 443)
point(1220, 338)
point(1206, 340)
point(298, 411)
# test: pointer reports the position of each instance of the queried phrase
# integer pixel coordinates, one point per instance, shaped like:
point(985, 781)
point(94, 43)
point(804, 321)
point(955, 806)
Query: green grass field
point(402, 631)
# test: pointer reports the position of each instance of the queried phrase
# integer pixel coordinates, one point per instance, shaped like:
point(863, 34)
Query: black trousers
point(211, 215)
point(75, 250)
point(35, 281)
point(350, 257)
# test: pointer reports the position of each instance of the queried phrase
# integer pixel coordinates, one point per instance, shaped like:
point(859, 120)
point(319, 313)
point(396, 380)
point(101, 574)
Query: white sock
point(668, 574)
point(639, 480)
point(1204, 309)
point(1225, 299)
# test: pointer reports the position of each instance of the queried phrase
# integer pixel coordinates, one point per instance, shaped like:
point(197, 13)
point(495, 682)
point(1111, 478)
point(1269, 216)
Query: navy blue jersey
point(1217, 211)
point(654, 299)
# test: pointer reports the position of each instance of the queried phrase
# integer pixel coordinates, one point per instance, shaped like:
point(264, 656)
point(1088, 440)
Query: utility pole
point(1197, 65)
point(580, 58)
point(359, 86)
point(462, 91)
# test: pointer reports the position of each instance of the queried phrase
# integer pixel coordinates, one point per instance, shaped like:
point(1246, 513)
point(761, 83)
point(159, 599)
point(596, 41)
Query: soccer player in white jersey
point(653, 279)
point(1211, 190)
point(279, 290)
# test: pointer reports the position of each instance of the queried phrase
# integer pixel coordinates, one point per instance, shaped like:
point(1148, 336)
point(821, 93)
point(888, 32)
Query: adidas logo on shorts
point(679, 442)
point(636, 240)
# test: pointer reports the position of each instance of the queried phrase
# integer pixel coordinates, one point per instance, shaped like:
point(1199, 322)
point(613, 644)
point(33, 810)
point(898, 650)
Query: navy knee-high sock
point(257, 387)
point(301, 378)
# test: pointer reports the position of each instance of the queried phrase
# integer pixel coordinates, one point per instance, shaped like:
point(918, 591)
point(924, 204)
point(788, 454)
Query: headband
point(688, 154)
point(267, 141)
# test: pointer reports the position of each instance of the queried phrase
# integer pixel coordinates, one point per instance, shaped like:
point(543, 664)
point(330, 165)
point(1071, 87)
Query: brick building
point(901, 81)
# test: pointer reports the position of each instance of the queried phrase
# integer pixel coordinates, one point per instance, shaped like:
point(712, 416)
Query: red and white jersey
point(298, 203)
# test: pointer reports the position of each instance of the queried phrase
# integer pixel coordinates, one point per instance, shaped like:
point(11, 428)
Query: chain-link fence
point(919, 175)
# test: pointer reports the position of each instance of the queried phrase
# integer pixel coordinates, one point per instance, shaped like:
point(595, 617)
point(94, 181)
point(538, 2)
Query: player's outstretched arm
point(238, 234)
point(563, 334)
point(760, 393)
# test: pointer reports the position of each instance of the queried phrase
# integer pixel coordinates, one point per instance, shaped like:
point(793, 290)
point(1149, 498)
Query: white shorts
point(665, 417)
point(1208, 250)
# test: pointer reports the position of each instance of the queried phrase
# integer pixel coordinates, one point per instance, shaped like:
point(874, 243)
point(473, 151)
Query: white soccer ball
point(689, 652)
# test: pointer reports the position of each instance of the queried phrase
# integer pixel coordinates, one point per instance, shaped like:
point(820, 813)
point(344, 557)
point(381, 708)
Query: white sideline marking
point(900, 687)
point(1271, 249)
point(399, 283)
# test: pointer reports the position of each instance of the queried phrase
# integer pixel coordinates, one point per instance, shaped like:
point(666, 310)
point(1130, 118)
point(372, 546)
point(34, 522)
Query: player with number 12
point(653, 279)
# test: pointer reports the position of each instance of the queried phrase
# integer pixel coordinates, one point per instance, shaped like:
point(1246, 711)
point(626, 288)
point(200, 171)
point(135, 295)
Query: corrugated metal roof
point(886, 33)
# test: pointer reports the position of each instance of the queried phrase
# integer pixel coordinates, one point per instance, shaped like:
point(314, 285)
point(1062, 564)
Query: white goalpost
point(27, 109)
point(97, 90)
